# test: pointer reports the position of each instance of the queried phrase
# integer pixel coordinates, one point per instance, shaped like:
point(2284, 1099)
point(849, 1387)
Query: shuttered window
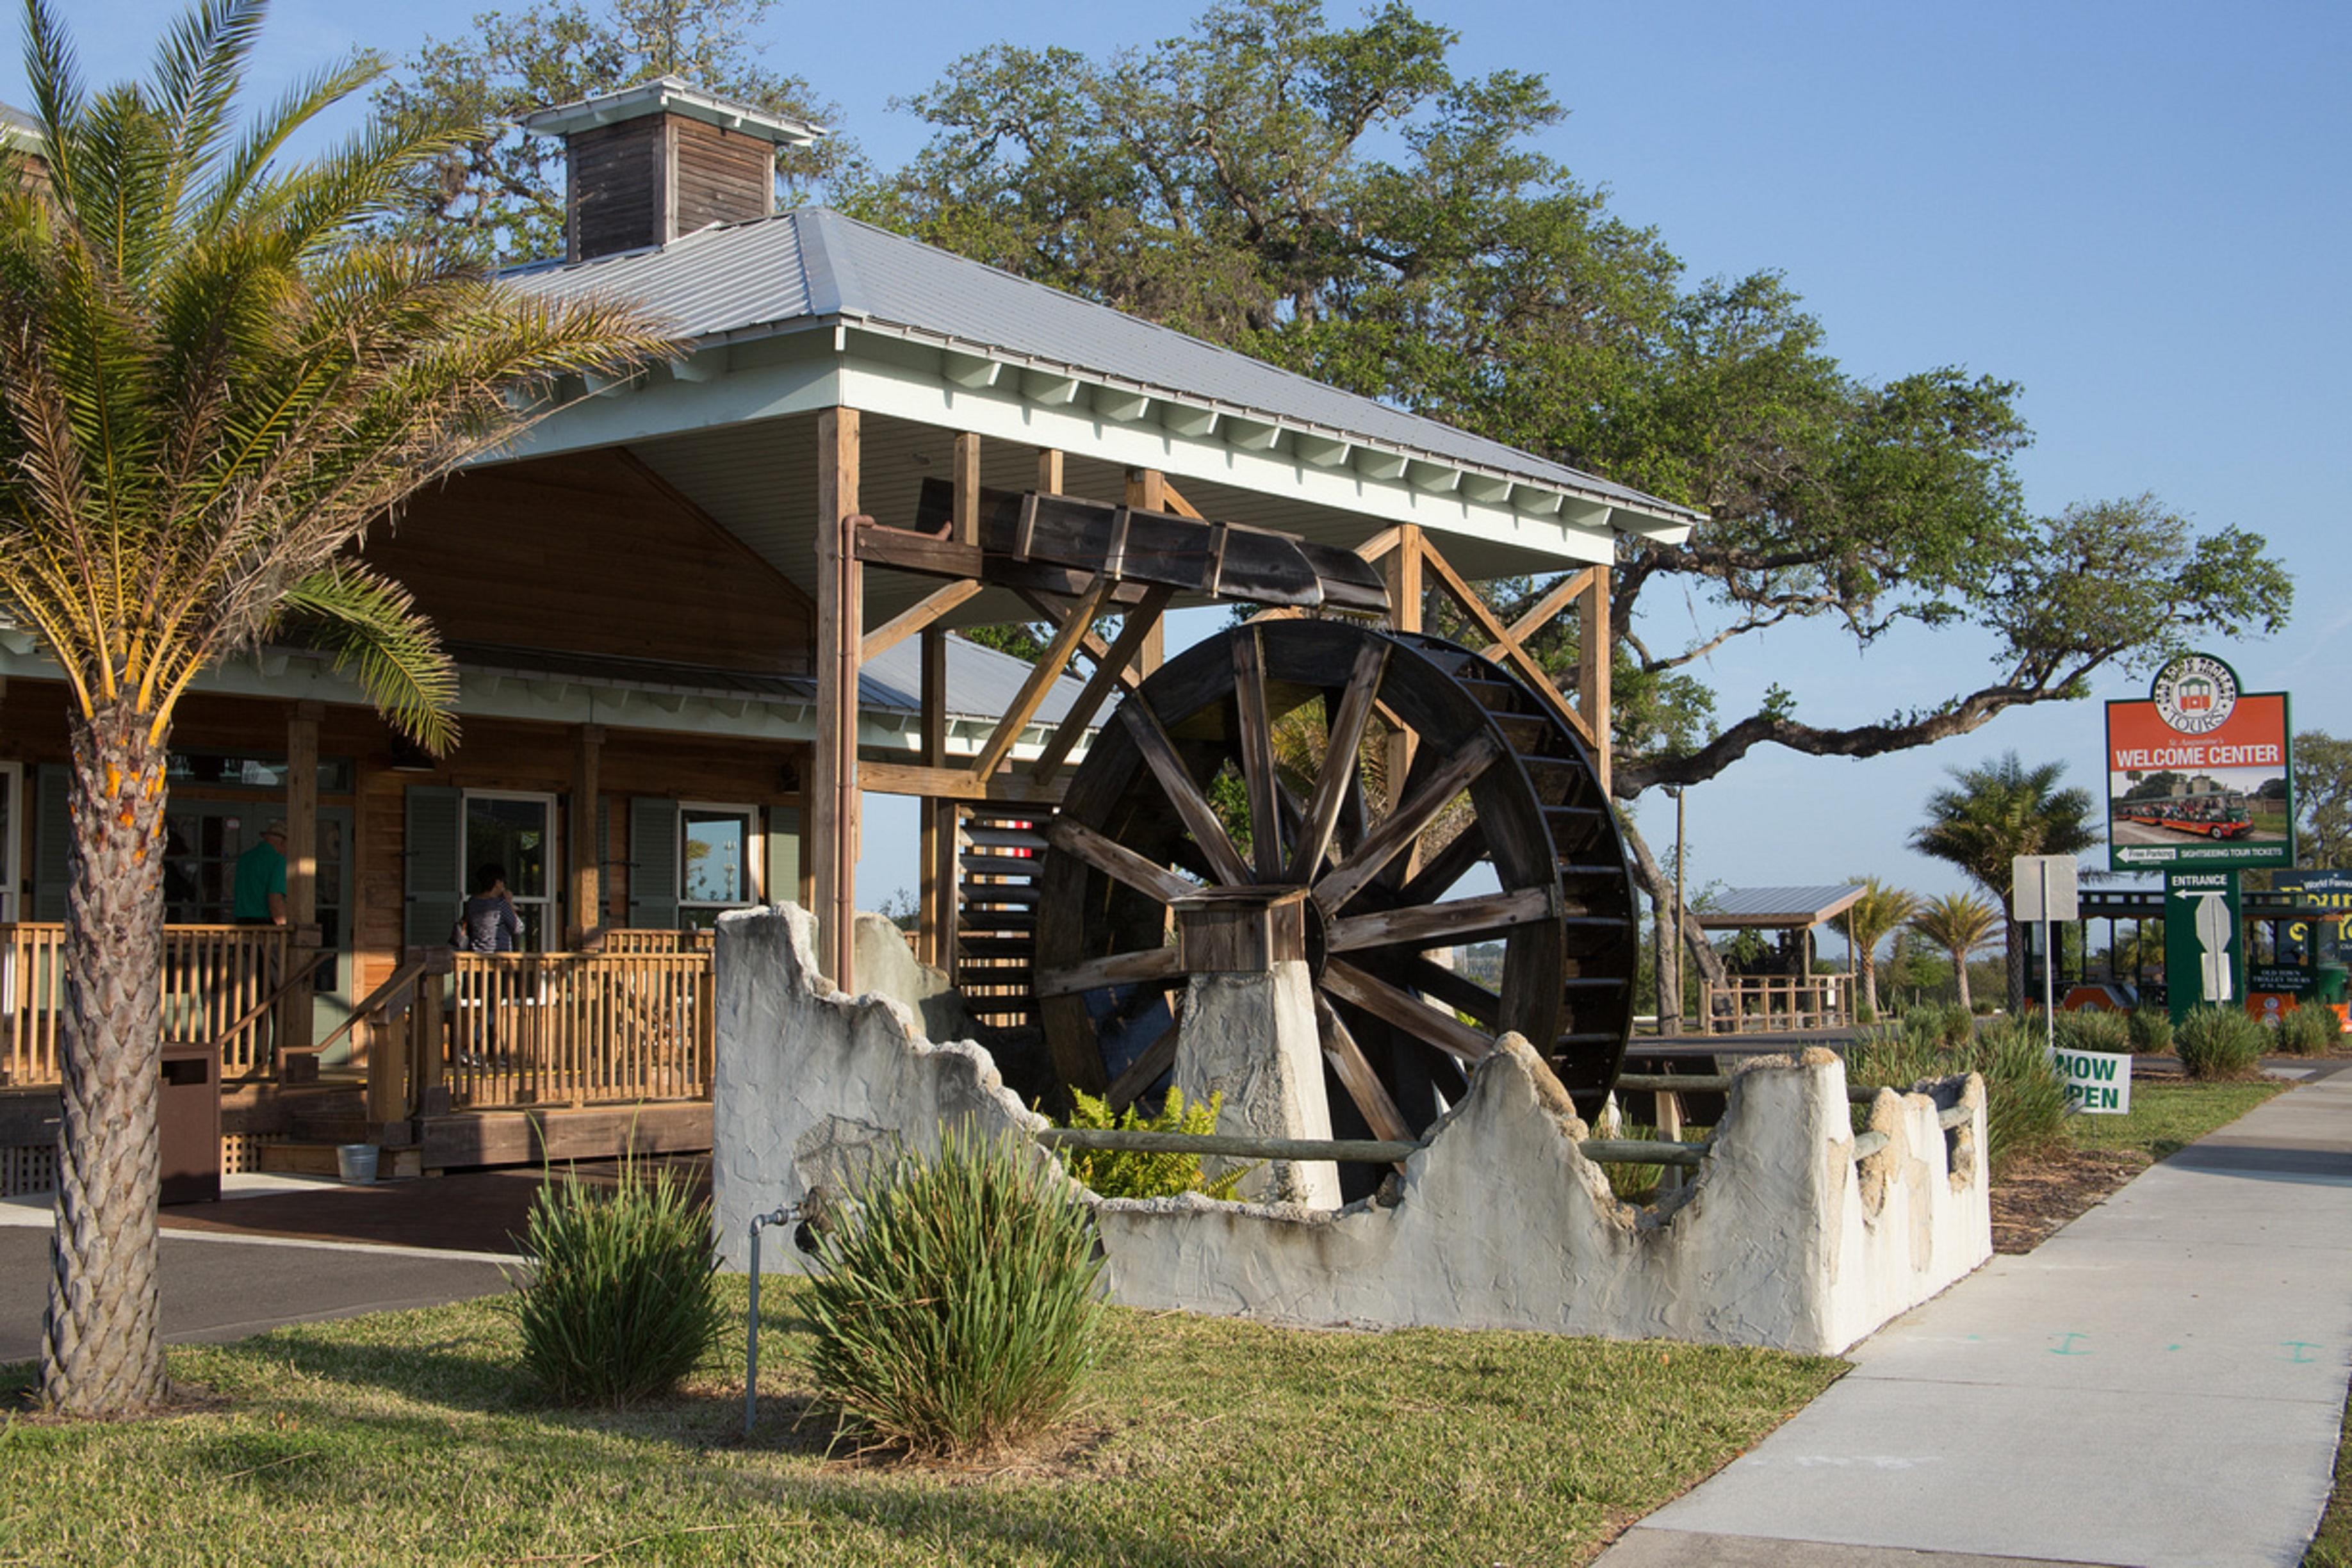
point(430, 874)
point(653, 863)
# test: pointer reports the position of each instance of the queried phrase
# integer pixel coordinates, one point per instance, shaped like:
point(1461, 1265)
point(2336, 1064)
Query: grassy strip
point(406, 1436)
point(2168, 1117)
point(2332, 1547)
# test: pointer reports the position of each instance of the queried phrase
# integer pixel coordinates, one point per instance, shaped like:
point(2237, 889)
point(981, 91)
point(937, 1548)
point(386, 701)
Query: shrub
point(1130, 1173)
point(2219, 1042)
point(2307, 1031)
point(2095, 1031)
point(623, 1300)
point(2025, 1103)
point(955, 1308)
point(2151, 1031)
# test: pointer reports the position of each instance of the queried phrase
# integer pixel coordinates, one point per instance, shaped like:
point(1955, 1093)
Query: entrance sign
point(2204, 961)
point(2200, 773)
point(2098, 1083)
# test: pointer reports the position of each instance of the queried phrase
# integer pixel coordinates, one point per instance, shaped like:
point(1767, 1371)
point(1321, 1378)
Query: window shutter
point(52, 842)
point(431, 878)
point(653, 863)
point(783, 871)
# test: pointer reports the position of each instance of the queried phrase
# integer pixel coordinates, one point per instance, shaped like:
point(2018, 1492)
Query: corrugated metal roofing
point(1731, 908)
point(813, 264)
point(982, 682)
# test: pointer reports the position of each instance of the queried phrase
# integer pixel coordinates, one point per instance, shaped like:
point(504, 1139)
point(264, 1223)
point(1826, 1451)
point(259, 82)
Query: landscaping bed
point(406, 1437)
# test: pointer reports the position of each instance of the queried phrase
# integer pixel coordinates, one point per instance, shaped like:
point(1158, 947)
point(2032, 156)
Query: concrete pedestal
point(1252, 1038)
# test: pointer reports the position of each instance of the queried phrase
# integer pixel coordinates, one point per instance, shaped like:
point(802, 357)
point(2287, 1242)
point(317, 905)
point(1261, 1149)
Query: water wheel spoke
point(1193, 807)
point(1415, 972)
point(1357, 1077)
point(1402, 826)
point(1118, 862)
point(1145, 1070)
point(1408, 1013)
point(1118, 969)
point(1345, 738)
point(1445, 868)
point(1436, 925)
point(1255, 725)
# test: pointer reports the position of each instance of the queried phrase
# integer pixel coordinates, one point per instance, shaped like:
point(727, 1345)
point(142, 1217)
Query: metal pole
point(752, 1338)
point(2049, 961)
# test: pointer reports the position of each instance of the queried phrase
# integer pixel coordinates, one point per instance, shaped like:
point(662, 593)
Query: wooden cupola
point(650, 162)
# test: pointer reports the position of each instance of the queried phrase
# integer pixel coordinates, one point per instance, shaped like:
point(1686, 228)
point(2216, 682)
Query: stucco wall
point(1782, 1239)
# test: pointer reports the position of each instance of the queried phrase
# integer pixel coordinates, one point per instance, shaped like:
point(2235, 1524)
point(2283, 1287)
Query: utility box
point(188, 1124)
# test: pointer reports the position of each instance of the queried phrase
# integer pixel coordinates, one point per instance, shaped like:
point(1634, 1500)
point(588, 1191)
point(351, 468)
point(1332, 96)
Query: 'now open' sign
point(2098, 1083)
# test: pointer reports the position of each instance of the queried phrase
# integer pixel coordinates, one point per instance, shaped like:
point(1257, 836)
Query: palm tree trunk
point(1870, 985)
point(101, 1354)
point(1961, 976)
point(2016, 967)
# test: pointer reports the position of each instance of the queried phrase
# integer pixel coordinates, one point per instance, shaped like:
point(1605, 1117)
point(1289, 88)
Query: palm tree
point(1960, 923)
point(212, 379)
point(1990, 815)
point(1872, 918)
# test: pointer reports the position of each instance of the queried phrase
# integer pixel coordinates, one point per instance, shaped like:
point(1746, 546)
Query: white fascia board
point(891, 384)
point(799, 383)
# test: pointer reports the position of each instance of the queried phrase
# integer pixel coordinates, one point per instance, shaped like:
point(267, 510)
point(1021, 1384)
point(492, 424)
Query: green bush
point(955, 1306)
point(2307, 1031)
point(1131, 1173)
point(2151, 1031)
point(624, 1300)
point(2025, 1103)
point(2095, 1031)
point(2219, 1042)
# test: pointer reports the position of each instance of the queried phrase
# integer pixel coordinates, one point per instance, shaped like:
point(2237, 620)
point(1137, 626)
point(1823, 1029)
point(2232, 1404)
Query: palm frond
point(371, 626)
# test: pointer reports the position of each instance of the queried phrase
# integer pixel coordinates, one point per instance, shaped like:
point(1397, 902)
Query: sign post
point(2044, 887)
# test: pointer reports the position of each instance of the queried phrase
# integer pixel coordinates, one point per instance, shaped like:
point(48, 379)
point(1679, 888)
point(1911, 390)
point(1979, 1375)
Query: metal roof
point(982, 682)
point(672, 95)
point(811, 265)
point(1750, 909)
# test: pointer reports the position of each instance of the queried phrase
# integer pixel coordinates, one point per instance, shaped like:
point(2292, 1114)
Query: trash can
point(188, 1122)
point(2327, 981)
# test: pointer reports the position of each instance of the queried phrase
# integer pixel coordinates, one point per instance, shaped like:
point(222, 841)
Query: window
point(515, 833)
point(719, 851)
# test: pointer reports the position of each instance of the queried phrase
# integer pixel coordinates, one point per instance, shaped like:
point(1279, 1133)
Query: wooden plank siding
point(612, 186)
point(592, 553)
point(721, 175)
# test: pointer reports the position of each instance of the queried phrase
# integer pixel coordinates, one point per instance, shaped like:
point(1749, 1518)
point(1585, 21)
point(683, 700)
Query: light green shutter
point(783, 868)
point(432, 879)
point(653, 863)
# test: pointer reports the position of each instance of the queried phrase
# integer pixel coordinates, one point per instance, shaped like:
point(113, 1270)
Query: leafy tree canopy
point(2322, 799)
point(499, 196)
point(1342, 201)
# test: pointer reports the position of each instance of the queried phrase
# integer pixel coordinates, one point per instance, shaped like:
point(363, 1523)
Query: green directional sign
point(2204, 942)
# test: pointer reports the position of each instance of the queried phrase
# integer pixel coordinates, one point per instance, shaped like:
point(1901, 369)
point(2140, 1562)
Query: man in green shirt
point(260, 888)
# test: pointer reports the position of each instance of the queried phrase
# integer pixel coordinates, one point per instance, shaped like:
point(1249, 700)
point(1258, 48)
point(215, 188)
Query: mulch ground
point(2034, 1197)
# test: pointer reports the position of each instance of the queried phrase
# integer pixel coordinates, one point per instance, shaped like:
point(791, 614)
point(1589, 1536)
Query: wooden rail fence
point(577, 1028)
point(1773, 1002)
point(217, 983)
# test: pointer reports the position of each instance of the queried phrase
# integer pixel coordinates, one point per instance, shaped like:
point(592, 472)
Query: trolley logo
point(2195, 694)
point(2097, 1083)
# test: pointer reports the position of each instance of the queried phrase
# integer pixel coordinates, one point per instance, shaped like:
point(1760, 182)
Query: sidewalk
point(2159, 1383)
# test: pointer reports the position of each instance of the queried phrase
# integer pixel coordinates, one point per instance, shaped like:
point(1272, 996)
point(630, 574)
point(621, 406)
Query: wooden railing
point(625, 941)
point(577, 1028)
point(1778, 1002)
point(218, 983)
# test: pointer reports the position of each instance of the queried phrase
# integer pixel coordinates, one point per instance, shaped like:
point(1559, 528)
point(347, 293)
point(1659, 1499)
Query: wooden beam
point(1193, 807)
point(1592, 663)
point(1356, 1075)
point(1148, 488)
point(1040, 679)
point(1505, 646)
point(904, 550)
point(1142, 624)
point(1427, 925)
point(1345, 738)
point(949, 783)
point(1562, 595)
point(934, 875)
point(1093, 646)
point(1399, 564)
point(1172, 500)
point(1119, 863)
point(587, 854)
point(1406, 1012)
point(914, 618)
point(840, 617)
point(294, 1018)
point(967, 488)
point(1118, 969)
point(1049, 471)
point(1145, 1070)
point(1257, 726)
point(1400, 827)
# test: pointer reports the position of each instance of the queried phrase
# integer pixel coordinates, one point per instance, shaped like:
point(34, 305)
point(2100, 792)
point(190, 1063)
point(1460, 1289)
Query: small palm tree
point(212, 381)
point(1880, 912)
point(1960, 923)
point(1990, 815)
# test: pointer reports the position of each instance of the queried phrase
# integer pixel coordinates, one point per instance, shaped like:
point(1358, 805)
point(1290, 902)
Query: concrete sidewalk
point(2161, 1382)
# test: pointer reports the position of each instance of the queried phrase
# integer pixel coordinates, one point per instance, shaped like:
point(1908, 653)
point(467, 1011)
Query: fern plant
point(1132, 1173)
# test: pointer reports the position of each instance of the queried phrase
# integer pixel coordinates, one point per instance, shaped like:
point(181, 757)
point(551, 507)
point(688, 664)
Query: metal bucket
point(357, 1162)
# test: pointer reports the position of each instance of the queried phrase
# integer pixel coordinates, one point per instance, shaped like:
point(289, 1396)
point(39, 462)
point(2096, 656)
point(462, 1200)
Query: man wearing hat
point(260, 888)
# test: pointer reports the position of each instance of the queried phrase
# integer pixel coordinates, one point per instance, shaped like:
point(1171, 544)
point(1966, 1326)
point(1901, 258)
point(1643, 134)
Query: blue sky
point(2137, 211)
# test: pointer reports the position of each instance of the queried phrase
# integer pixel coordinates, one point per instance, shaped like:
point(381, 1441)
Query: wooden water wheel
point(1497, 832)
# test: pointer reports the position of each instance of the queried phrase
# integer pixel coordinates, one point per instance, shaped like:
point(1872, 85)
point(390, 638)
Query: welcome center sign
point(2200, 773)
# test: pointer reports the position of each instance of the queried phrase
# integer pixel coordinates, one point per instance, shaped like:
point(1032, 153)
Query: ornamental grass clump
point(624, 1300)
point(2094, 1031)
point(2309, 1030)
point(956, 1308)
point(2151, 1031)
point(2219, 1042)
point(2025, 1103)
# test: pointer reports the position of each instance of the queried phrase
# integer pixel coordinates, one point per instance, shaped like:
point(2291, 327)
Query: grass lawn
point(2170, 1115)
point(405, 1437)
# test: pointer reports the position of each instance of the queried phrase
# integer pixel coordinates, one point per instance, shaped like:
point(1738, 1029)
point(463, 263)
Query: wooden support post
point(587, 930)
point(967, 488)
point(935, 894)
point(1049, 471)
point(1400, 570)
point(1148, 489)
point(840, 619)
point(294, 1011)
point(1592, 668)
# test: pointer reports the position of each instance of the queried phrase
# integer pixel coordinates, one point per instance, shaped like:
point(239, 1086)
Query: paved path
point(2160, 1382)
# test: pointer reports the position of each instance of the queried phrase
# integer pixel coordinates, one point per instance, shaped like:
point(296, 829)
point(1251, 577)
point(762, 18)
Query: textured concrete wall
point(1781, 1239)
point(1270, 1088)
